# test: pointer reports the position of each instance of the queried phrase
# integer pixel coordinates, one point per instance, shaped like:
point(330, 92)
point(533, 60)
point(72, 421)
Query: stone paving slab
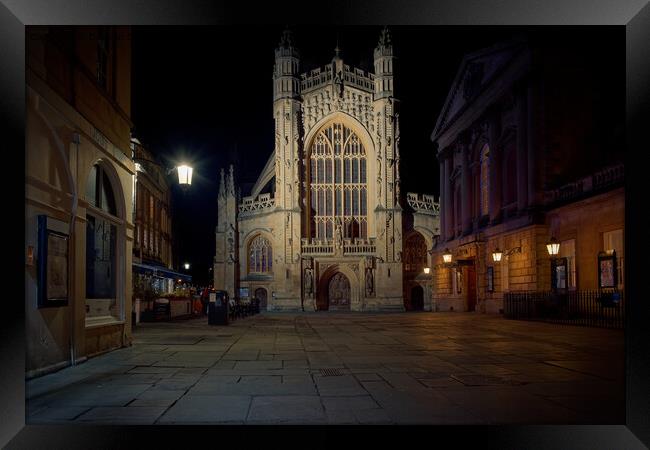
point(91, 395)
point(496, 404)
point(286, 409)
point(145, 415)
point(56, 414)
point(157, 397)
point(207, 409)
point(345, 385)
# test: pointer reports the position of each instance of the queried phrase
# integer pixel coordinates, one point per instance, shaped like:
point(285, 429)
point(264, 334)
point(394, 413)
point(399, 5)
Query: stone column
point(449, 207)
point(534, 157)
point(522, 150)
point(495, 168)
point(465, 189)
point(443, 206)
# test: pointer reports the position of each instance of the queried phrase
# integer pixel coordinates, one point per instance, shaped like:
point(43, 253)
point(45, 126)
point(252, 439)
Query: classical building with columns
point(326, 226)
point(526, 155)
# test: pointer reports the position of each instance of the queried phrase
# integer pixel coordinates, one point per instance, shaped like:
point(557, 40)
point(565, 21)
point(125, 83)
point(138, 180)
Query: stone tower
point(226, 261)
point(388, 212)
point(288, 167)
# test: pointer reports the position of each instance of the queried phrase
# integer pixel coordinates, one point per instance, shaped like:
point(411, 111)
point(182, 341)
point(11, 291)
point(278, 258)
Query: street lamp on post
point(184, 175)
point(553, 248)
point(427, 271)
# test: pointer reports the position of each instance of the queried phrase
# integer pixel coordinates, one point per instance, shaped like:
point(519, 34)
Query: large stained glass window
point(260, 256)
point(338, 184)
point(415, 253)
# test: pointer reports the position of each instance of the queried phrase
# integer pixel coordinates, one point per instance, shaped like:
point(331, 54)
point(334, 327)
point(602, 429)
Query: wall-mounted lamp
point(498, 254)
point(553, 247)
point(446, 256)
point(427, 270)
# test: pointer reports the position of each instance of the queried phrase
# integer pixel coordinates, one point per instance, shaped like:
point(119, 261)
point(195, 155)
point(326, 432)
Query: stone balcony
point(424, 203)
point(602, 180)
point(254, 205)
point(351, 76)
point(326, 247)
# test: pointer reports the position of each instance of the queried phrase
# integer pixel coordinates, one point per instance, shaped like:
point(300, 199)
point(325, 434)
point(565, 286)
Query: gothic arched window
point(260, 255)
point(338, 185)
point(485, 180)
point(415, 253)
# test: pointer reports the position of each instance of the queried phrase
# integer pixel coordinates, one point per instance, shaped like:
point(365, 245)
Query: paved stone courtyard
point(345, 368)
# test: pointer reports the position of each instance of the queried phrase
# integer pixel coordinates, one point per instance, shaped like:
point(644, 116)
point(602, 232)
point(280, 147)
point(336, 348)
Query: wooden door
point(338, 292)
point(417, 298)
point(260, 294)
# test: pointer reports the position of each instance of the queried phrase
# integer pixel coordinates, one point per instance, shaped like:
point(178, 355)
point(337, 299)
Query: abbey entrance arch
point(337, 290)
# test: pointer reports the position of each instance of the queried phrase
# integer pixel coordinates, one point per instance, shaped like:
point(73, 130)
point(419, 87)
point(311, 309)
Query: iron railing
point(594, 308)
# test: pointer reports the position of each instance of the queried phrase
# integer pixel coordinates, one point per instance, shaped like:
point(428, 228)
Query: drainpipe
point(76, 139)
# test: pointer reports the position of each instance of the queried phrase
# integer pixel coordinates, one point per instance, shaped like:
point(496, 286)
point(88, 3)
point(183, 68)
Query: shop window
point(99, 192)
point(101, 248)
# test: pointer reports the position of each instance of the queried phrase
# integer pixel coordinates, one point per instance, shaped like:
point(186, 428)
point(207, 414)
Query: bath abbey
point(326, 226)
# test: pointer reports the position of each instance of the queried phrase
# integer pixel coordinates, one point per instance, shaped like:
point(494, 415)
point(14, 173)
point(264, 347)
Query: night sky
point(205, 95)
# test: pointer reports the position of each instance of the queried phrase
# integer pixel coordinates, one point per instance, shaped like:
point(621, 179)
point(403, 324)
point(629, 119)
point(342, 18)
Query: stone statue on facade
point(338, 234)
point(369, 282)
point(308, 282)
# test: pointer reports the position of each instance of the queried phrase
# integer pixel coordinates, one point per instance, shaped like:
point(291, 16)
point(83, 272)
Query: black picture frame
point(53, 255)
point(490, 279)
point(607, 270)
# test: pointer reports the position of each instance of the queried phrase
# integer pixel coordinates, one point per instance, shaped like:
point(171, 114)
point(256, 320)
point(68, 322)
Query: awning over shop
point(160, 272)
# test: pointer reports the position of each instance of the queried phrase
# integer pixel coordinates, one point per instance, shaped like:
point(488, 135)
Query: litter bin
point(218, 308)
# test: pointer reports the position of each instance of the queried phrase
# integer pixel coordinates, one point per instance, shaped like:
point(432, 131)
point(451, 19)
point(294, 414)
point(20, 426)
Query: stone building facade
point(78, 194)
point(153, 223)
point(323, 228)
point(522, 160)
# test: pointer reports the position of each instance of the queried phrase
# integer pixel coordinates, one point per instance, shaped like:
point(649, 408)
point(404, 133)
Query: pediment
point(477, 71)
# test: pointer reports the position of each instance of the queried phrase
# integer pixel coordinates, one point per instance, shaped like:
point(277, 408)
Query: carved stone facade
point(328, 198)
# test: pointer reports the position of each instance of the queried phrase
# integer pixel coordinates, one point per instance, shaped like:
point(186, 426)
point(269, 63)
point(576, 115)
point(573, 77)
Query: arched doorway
point(417, 298)
point(260, 294)
point(336, 294)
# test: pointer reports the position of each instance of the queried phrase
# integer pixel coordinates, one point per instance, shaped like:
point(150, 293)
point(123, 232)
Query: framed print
point(607, 273)
point(490, 279)
point(52, 266)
